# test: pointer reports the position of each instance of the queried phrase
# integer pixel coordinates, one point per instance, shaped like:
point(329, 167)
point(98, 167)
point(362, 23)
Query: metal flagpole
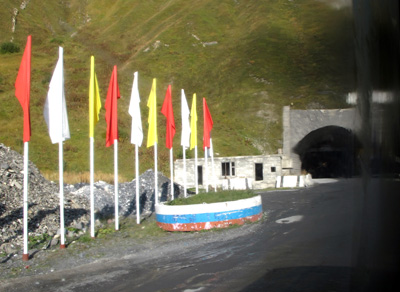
point(155, 175)
point(92, 187)
point(25, 255)
point(184, 172)
point(196, 170)
point(171, 165)
point(116, 183)
point(206, 166)
point(212, 165)
point(61, 176)
point(137, 184)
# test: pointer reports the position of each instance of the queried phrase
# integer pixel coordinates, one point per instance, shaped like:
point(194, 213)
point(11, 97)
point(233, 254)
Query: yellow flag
point(193, 123)
point(94, 99)
point(152, 120)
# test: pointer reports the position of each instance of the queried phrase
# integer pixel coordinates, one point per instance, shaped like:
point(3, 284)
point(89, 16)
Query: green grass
point(147, 229)
point(213, 197)
point(269, 54)
point(38, 241)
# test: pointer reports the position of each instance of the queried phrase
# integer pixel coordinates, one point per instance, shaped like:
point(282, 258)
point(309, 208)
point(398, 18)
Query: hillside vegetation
point(248, 58)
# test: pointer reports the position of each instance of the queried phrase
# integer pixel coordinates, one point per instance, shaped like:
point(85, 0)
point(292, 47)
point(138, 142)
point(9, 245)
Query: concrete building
point(324, 143)
point(237, 172)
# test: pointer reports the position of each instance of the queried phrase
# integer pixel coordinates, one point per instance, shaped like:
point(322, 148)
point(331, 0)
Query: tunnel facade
point(329, 151)
point(322, 142)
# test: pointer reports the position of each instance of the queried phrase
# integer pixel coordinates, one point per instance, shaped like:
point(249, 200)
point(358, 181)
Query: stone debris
point(43, 201)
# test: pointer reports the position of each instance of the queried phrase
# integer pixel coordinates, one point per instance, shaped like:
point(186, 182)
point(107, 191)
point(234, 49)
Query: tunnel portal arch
point(312, 134)
point(329, 151)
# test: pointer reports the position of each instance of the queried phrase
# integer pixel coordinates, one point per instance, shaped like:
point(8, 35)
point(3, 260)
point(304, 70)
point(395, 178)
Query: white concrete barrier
point(302, 181)
point(278, 181)
point(289, 181)
point(239, 183)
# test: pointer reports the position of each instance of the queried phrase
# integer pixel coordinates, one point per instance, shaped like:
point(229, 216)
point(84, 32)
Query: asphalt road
point(335, 236)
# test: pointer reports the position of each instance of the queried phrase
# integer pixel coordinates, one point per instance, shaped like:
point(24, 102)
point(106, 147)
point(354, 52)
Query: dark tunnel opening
point(329, 152)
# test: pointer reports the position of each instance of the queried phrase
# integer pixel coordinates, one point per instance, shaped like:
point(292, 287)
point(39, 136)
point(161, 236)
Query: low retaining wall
point(207, 216)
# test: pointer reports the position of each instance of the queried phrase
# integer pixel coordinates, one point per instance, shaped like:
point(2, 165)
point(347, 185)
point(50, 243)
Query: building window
point(259, 171)
point(273, 169)
point(228, 168)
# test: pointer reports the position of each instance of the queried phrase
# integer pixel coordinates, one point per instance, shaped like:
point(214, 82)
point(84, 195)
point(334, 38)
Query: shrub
point(9, 48)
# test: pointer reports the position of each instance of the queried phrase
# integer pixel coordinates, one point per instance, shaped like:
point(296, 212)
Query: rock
point(8, 248)
point(54, 241)
point(43, 199)
point(78, 225)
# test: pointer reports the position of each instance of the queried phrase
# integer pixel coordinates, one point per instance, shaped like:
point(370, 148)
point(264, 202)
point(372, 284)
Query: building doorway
point(259, 171)
point(200, 175)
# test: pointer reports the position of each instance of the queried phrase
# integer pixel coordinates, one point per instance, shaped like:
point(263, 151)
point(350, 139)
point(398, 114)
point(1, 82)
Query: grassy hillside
point(248, 58)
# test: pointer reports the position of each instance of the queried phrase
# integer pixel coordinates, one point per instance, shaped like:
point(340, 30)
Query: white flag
point(55, 109)
point(185, 137)
point(134, 111)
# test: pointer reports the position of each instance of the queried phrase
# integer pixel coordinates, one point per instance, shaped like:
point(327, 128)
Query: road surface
point(335, 236)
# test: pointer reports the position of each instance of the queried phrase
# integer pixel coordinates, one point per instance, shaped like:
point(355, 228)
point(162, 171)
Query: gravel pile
point(43, 201)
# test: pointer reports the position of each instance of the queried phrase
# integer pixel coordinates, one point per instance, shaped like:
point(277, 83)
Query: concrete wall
point(298, 123)
point(244, 169)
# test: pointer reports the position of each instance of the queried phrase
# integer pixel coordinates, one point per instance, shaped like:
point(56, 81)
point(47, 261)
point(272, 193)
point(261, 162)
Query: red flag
point(23, 87)
point(167, 111)
point(111, 109)
point(208, 125)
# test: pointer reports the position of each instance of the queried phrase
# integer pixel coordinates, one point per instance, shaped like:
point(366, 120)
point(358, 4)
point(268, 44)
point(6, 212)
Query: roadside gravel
point(112, 250)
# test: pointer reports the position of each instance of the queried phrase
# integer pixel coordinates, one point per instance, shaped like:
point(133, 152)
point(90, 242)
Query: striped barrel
point(207, 216)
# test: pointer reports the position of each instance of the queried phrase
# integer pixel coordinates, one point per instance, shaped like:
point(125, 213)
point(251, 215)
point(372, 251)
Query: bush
point(9, 48)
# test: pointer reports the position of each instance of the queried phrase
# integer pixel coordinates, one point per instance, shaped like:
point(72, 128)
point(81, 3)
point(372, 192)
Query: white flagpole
point(92, 187)
point(25, 255)
point(136, 135)
point(155, 175)
point(185, 137)
point(184, 172)
point(116, 183)
point(137, 184)
point(206, 166)
point(171, 165)
point(61, 178)
point(56, 117)
point(196, 171)
point(212, 165)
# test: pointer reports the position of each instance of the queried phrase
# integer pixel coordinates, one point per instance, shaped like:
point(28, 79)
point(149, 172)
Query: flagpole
point(61, 178)
point(137, 184)
point(206, 166)
point(171, 166)
point(196, 171)
point(25, 255)
point(92, 187)
point(213, 173)
point(184, 172)
point(116, 183)
point(212, 165)
point(155, 175)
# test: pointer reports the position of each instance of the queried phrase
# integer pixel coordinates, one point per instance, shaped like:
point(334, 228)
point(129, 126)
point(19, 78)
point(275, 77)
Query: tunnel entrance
point(329, 152)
